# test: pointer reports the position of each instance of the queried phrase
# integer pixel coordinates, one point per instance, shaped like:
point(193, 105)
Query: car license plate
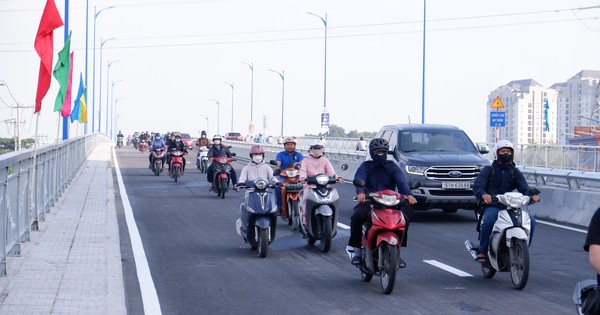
point(456, 185)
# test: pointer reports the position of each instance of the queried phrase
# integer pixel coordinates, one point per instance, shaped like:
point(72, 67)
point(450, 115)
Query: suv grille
point(452, 173)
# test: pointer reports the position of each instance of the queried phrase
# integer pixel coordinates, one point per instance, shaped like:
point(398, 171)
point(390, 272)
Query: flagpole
point(33, 178)
point(66, 119)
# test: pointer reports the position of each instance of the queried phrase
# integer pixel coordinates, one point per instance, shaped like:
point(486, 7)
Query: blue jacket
point(501, 181)
point(381, 176)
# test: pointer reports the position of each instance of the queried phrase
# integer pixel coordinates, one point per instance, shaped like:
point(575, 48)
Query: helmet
point(316, 145)
point(257, 149)
point(157, 134)
point(217, 137)
point(203, 132)
point(503, 144)
point(379, 144)
point(178, 135)
point(290, 140)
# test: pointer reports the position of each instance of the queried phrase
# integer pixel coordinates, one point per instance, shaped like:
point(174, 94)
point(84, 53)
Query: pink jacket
point(253, 171)
point(311, 166)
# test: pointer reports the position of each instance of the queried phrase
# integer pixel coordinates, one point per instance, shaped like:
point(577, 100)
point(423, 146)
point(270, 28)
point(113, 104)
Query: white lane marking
point(450, 269)
point(148, 291)
point(343, 226)
point(562, 226)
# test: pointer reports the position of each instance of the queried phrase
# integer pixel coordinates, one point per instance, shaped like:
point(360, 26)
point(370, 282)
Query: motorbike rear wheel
point(326, 234)
point(222, 187)
point(263, 242)
point(519, 263)
point(389, 267)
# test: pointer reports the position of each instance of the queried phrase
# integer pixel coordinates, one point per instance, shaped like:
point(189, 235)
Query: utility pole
point(15, 121)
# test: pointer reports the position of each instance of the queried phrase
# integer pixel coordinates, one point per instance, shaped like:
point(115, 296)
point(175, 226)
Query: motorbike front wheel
point(157, 167)
point(263, 242)
point(389, 267)
point(325, 237)
point(203, 167)
point(222, 187)
point(295, 214)
point(519, 263)
point(176, 172)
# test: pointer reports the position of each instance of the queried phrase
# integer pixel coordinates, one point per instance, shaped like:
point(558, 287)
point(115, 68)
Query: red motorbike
point(222, 174)
point(143, 146)
point(290, 192)
point(176, 164)
point(158, 156)
point(382, 237)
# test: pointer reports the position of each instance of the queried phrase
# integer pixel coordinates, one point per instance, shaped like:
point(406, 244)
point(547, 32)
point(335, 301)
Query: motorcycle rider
point(119, 135)
point(177, 145)
point(592, 242)
point(285, 159)
point(499, 178)
point(202, 141)
point(157, 143)
point(315, 163)
point(378, 174)
point(256, 168)
point(218, 150)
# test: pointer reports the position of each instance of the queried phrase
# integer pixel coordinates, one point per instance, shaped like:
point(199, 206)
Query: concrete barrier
point(558, 204)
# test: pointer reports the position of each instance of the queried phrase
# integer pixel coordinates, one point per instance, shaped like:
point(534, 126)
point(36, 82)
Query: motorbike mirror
point(414, 185)
point(297, 165)
point(273, 162)
point(358, 182)
point(344, 167)
point(534, 191)
point(233, 154)
point(277, 172)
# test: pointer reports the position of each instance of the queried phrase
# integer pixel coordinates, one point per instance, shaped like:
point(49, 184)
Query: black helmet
point(379, 144)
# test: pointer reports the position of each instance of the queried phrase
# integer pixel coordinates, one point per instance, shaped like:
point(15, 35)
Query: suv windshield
point(233, 134)
point(185, 136)
point(431, 140)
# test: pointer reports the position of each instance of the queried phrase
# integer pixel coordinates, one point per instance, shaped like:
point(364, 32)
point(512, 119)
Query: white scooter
point(202, 159)
point(509, 242)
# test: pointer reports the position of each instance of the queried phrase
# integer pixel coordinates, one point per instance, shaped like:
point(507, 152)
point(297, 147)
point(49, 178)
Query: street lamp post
point(251, 65)
point(324, 20)
point(100, 89)
point(207, 125)
point(282, 76)
point(96, 13)
point(111, 112)
point(423, 83)
point(218, 116)
point(115, 110)
point(108, 90)
point(231, 85)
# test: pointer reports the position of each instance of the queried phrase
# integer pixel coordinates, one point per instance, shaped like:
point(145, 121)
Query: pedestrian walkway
point(72, 265)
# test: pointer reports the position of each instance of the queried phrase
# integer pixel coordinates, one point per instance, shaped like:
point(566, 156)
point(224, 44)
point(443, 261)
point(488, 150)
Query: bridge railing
point(27, 192)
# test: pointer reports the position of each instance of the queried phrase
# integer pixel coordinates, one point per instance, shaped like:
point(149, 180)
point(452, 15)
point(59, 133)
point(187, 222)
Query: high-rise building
point(530, 113)
point(578, 103)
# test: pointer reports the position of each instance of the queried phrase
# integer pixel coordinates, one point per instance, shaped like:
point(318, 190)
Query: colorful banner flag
point(66, 108)
point(44, 46)
point(79, 111)
point(61, 74)
point(546, 109)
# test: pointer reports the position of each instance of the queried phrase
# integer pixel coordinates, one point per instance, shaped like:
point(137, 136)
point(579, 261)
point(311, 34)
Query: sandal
point(480, 258)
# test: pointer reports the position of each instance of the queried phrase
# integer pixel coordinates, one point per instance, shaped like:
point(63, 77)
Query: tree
point(336, 131)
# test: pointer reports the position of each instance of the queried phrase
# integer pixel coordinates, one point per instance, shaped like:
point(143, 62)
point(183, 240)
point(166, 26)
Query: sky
point(172, 60)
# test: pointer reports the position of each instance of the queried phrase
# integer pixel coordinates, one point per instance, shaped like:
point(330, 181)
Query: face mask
point(379, 158)
point(203, 136)
point(217, 142)
point(257, 158)
point(177, 140)
point(505, 158)
point(157, 137)
point(317, 152)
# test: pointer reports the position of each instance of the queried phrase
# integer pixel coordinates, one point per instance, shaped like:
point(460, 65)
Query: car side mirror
point(483, 149)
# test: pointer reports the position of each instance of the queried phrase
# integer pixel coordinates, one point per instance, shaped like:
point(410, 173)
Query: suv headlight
point(416, 169)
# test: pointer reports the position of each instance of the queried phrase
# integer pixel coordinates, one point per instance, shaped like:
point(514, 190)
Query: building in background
point(547, 115)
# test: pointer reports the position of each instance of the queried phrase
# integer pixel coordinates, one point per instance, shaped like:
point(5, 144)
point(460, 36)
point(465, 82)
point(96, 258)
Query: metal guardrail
point(27, 192)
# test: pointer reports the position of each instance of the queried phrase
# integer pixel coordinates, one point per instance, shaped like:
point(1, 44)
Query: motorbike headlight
point(387, 200)
point(513, 199)
point(416, 169)
point(291, 173)
point(322, 180)
point(222, 160)
point(261, 184)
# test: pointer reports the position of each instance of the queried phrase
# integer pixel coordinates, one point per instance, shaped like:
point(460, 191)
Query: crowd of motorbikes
point(382, 236)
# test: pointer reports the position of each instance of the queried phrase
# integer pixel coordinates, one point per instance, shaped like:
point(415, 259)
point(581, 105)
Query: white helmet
point(316, 144)
point(503, 144)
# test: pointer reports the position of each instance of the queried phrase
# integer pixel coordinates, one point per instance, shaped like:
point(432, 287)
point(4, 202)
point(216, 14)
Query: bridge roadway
point(193, 262)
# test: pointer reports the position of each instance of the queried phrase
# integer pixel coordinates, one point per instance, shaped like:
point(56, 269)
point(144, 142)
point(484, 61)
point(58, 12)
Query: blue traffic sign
point(497, 119)
point(324, 120)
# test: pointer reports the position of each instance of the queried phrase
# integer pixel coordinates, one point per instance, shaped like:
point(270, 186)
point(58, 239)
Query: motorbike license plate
point(456, 185)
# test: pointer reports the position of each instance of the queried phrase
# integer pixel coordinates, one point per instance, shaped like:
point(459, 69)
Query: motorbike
point(119, 142)
point(290, 193)
point(202, 159)
point(382, 237)
point(258, 215)
point(222, 174)
point(128, 140)
point(143, 146)
point(158, 156)
point(176, 164)
point(321, 211)
point(581, 293)
point(509, 242)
